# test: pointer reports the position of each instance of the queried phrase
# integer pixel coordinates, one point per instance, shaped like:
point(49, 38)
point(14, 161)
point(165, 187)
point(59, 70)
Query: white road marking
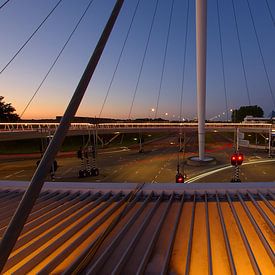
point(116, 151)
point(66, 172)
point(13, 174)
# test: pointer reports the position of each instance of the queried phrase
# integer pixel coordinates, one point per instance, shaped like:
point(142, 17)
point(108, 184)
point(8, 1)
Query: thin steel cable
point(4, 4)
point(182, 87)
point(261, 53)
point(184, 58)
point(143, 58)
point(222, 60)
point(165, 55)
point(270, 12)
point(241, 52)
point(119, 59)
point(28, 40)
point(57, 57)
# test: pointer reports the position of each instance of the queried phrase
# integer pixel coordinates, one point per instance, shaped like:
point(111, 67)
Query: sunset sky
point(19, 18)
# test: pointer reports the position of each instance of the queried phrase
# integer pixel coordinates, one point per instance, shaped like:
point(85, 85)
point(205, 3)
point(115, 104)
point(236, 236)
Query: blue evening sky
point(19, 18)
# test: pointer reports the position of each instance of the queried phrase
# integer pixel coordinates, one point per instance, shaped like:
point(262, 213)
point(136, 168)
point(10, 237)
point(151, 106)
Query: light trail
point(203, 175)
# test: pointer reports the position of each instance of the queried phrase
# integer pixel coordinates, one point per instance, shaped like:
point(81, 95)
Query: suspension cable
point(261, 53)
point(31, 36)
point(270, 12)
point(222, 59)
point(4, 4)
point(184, 58)
point(57, 57)
point(241, 52)
point(143, 58)
point(119, 58)
point(165, 54)
point(182, 88)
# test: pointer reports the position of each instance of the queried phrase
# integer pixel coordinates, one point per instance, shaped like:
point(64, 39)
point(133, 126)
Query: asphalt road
point(157, 164)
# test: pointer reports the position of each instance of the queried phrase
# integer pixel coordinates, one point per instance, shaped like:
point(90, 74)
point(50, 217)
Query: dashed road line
point(66, 172)
point(13, 174)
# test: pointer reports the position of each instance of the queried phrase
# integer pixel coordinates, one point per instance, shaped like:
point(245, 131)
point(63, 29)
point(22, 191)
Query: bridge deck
point(17, 131)
point(175, 227)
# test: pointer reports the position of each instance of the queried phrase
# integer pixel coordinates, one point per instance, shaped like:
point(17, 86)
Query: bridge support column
point(269, 142)
point(201, 21)
point(140, 143)
point(237, 139)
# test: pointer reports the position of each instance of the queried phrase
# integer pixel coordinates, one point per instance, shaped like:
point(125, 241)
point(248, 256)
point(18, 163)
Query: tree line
point(238, 115)
point(7, 112)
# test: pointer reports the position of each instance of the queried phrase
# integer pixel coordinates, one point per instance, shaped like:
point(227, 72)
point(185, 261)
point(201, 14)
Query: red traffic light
point(179, 178)
point(240, 159)
point(237, 159)
point(233, 160)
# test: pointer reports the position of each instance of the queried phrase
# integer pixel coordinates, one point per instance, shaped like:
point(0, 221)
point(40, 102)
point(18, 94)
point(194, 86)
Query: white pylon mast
point(201, 22)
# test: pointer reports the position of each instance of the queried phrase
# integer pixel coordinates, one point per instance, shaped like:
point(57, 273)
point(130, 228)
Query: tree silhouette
point(240, 114)
point(7, 112)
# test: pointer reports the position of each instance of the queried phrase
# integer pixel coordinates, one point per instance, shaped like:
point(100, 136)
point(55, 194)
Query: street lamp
point(151, 110)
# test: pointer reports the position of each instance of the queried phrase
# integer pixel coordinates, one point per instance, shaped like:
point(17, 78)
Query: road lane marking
point(66, 172)
point(116, 151)
point(13, 174)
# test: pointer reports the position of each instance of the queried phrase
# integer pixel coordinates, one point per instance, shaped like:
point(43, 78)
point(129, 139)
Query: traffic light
point(79, 153)
point(234, 159)
point(179, 178)
point(237, 159)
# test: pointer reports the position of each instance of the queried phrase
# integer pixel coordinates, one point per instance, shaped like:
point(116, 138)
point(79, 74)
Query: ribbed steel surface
point(74, 232)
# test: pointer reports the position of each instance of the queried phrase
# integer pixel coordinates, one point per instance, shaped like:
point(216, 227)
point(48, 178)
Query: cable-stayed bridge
point(116, 213)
